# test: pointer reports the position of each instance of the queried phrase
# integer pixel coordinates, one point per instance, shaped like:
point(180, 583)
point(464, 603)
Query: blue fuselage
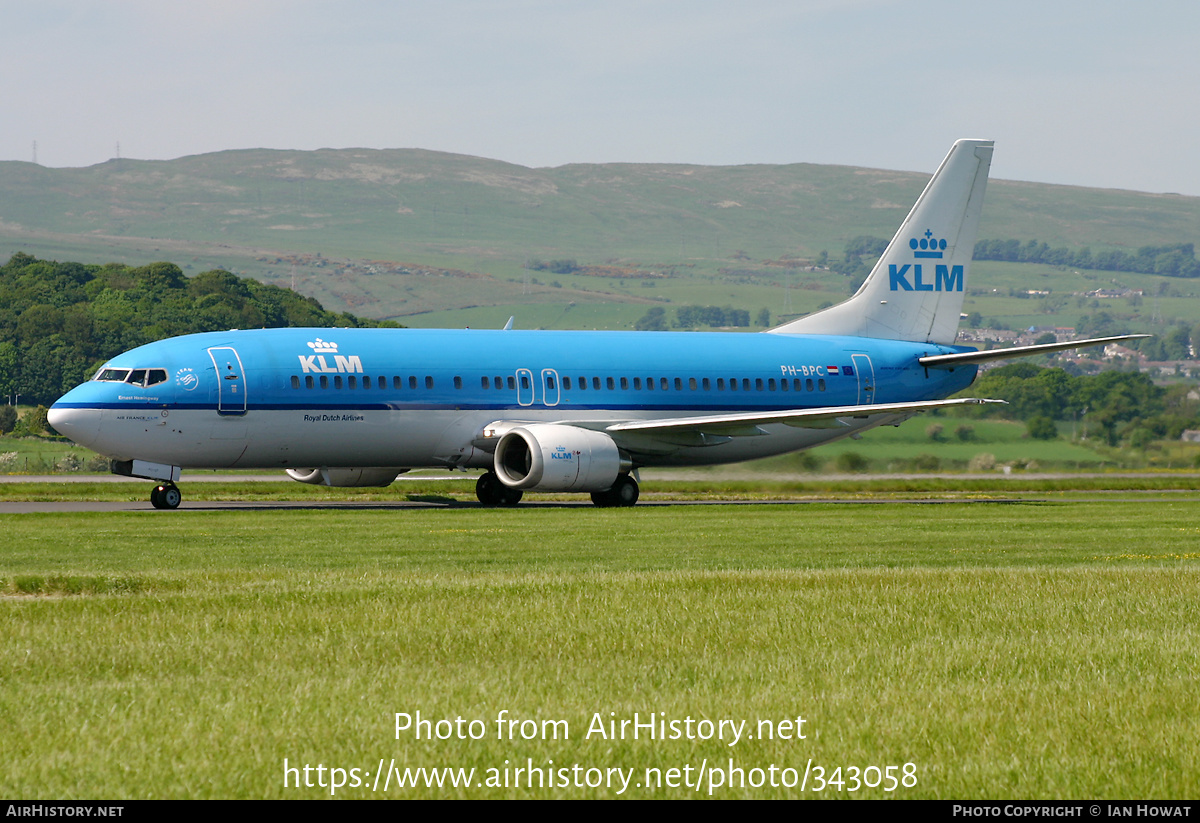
point(411, 397)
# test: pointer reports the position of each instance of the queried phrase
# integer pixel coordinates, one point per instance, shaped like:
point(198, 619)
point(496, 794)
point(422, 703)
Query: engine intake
point(553, 457)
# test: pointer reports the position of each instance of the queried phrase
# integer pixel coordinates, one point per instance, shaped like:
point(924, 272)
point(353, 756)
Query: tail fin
point(915, 292)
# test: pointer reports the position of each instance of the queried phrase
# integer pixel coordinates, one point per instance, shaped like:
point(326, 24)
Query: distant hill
point(403, 233)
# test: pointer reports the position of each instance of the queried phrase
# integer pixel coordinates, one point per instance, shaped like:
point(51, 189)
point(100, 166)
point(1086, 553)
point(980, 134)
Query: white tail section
point(915, 292)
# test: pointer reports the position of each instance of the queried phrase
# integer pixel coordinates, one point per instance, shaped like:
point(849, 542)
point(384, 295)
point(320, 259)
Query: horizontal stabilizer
point(963, 358)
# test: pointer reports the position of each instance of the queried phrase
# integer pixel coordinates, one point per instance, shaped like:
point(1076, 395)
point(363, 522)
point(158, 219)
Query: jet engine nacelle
point(345, 477)
point(552, 457)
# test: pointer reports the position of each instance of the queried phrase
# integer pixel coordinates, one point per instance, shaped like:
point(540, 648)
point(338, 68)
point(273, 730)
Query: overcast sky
point(1082, 92)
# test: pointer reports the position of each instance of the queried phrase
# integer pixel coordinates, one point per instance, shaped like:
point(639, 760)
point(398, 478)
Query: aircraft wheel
point(491, 492)
point(624, 492)
point(166, 496)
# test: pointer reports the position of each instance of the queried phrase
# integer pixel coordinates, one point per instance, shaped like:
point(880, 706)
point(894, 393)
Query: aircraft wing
point(747, 424)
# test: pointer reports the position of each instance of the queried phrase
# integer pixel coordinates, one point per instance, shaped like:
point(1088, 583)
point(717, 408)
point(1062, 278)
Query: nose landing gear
point(166, 496)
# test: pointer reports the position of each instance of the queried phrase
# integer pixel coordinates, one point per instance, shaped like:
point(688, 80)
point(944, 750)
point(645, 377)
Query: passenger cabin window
point(295, 381)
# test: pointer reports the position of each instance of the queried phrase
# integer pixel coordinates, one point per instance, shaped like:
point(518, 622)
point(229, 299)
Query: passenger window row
point(499, 382)
point(366, 381)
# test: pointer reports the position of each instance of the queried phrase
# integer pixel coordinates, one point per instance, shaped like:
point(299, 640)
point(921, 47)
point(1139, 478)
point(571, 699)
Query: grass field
point(1024, 649)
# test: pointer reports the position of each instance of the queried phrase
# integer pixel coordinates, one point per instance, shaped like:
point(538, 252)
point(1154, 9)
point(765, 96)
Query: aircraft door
point(231, 381)
point(524, 387)
point(550, 387)
point(866, 379)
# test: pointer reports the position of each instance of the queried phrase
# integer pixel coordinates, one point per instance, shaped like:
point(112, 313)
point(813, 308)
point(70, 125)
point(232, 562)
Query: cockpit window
point(136, 377)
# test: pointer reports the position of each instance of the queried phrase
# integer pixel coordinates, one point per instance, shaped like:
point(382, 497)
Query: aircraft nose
point(79, 425)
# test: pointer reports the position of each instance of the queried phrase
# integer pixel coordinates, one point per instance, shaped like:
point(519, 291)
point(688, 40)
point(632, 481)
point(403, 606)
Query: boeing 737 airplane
point(562, 411)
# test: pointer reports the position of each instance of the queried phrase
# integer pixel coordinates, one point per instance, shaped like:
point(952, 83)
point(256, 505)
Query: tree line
point(60, 321)
point(691, 317)
point(1173, 260)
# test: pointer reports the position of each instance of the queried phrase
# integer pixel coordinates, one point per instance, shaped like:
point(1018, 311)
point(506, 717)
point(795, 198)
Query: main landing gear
point(166, 496)
point(491, 492)
point(624, 492)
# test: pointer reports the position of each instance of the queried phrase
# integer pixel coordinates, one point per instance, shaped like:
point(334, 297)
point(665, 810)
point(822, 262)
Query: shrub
point(1041, 427)
point(926, 463)
point(982, 462)
point(851, 462)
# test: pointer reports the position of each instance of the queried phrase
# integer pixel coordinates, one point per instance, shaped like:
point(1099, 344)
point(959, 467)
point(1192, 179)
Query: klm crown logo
point(928, 246)
point(322, 347)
